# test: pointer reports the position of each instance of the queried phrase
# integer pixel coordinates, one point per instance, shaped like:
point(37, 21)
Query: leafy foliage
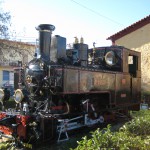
point(140, 125)
point(5, 18)
point(4, 146)
point(133, 135)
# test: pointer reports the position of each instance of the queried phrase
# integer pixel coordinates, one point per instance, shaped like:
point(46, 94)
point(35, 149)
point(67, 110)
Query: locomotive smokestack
point(45, 31)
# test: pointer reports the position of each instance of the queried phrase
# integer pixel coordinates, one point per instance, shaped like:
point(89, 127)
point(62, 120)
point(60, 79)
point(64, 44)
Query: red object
point(22, 122)
point(57, 107)
point(2, 115)
point(6, 130)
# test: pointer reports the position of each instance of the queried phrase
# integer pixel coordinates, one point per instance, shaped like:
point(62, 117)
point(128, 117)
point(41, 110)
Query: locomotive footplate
point(66, 125)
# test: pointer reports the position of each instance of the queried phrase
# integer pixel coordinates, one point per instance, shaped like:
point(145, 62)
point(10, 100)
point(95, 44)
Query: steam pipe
point(45, 31)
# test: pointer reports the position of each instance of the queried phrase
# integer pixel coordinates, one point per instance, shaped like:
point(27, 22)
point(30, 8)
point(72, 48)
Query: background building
point(137, 37)
point(12, 54)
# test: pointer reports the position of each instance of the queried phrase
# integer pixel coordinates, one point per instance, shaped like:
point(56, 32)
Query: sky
point(94, 20)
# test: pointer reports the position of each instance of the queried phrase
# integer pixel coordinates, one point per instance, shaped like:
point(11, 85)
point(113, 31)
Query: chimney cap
point(48, 27)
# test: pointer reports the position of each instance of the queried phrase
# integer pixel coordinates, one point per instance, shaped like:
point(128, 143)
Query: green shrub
point(134, 135)
point(4, 146)
point(108, 140)
point(140, 125)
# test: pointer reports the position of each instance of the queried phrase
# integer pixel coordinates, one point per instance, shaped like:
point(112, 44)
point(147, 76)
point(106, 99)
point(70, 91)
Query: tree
point(5, 18)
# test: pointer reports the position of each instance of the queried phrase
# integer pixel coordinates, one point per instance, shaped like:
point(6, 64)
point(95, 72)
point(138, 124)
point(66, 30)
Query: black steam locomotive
point(63, 89)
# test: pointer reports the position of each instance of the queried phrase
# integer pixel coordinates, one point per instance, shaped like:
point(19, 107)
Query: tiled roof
point(130, 28)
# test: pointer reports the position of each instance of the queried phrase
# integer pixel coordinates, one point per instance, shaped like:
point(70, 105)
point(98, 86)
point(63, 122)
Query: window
point(130, 59)
point(5, 75)
point(133, 65)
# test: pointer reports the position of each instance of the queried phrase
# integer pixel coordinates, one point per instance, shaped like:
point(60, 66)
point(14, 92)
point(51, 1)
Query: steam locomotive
point(64, 89)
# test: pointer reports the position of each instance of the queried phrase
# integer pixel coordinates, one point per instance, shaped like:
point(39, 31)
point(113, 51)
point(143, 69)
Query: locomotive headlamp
point(2, 94)
point(110, 58)
point(41, 64)
point(18, 96)
point(28, 79)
